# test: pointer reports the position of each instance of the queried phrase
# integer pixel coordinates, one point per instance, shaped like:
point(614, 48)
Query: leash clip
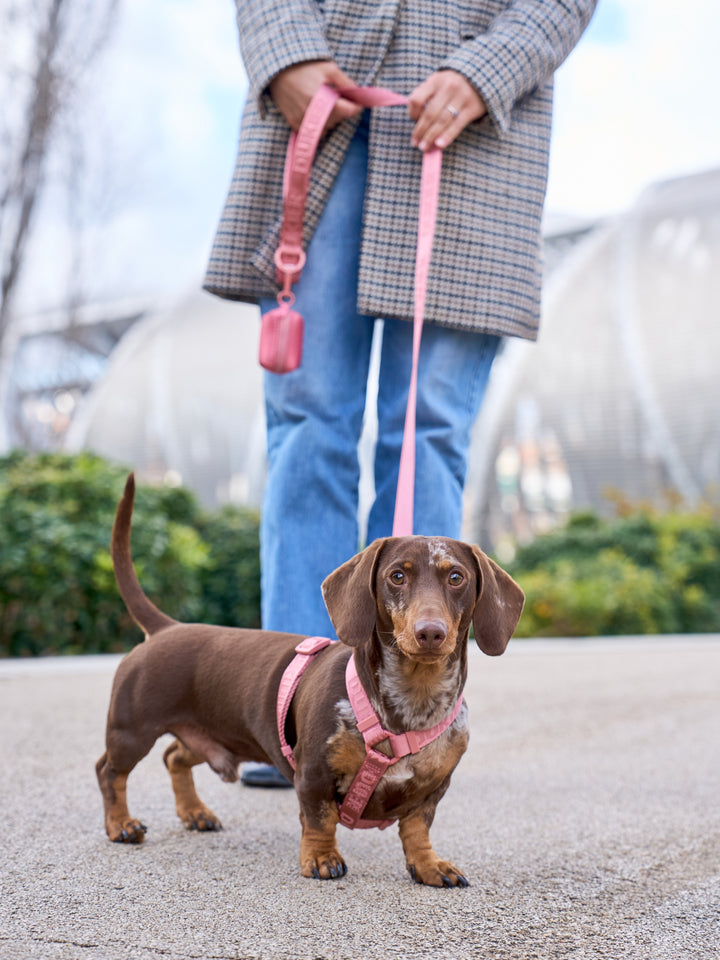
point(289, 260)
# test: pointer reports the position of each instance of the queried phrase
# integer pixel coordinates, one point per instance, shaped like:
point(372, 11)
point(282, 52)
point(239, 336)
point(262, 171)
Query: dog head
point(422, 593)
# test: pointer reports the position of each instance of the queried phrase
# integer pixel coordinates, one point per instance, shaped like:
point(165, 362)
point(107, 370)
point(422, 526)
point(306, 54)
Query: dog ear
point(349, 595)
point(499, 605)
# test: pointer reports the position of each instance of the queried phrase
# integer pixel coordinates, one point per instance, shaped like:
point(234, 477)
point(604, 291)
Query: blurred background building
point(621, 393)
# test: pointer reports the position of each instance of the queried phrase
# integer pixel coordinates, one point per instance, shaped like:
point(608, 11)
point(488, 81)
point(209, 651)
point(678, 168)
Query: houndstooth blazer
point(485, 271)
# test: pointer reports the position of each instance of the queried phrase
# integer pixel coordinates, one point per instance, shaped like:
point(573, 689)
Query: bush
point(230, 579)
point(643, 572)
point(57, 588)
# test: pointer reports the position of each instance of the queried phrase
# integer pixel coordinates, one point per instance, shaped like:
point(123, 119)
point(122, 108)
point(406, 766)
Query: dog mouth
point(426, 655)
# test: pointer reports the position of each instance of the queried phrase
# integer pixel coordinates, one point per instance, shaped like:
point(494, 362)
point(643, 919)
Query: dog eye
point(455, 579)
point(397, 577)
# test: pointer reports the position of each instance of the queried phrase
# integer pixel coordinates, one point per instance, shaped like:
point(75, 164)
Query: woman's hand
point(443, 105)
point(293, 89)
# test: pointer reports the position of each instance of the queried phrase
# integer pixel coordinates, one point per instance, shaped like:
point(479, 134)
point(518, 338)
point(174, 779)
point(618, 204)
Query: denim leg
point(314, 420)
point(453, 373)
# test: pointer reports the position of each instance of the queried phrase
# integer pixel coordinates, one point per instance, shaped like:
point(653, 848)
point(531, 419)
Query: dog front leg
point(319, 855)
point(422, 863)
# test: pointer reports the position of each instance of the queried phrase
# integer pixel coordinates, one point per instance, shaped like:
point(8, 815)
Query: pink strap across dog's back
point(304, 652)
point(290, 257)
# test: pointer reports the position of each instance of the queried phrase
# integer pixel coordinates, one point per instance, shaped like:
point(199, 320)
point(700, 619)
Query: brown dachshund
point(402, 607)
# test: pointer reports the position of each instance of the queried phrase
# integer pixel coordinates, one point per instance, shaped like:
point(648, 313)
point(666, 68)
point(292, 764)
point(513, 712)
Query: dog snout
point(430, 633)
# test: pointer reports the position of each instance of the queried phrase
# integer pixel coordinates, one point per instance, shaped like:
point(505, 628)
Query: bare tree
point(46, 50)
point(50, 45)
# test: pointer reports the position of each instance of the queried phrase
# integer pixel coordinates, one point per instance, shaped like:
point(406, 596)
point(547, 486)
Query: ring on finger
point(452, 110)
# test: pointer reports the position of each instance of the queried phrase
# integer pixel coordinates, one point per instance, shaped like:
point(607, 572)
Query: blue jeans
point(315, 415)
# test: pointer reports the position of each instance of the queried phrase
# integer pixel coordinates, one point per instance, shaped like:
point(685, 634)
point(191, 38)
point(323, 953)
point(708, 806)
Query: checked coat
point(485, 270)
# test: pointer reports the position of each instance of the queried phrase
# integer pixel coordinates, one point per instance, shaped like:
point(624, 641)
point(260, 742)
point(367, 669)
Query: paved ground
point(586, 814)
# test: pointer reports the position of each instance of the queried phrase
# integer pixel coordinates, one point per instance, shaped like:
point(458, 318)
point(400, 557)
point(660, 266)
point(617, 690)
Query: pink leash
point(289, 261)
point(290, 256)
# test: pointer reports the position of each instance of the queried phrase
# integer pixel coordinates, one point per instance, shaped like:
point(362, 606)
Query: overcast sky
point(637, 102)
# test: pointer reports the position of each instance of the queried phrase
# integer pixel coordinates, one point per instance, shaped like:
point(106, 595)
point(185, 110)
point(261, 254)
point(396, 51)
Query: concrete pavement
point(586, 815)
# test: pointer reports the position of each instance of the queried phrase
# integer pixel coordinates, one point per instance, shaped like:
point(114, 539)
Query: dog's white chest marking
point(423, 763)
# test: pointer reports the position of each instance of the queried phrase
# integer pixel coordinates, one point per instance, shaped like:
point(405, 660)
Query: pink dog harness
point(368, 723)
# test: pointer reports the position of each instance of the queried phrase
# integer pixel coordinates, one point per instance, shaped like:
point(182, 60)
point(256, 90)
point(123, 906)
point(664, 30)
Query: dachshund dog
point(402, 608)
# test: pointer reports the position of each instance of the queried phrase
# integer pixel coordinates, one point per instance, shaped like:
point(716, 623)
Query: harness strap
point(304, 652)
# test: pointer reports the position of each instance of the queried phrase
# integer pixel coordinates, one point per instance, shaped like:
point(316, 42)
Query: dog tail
point(145, 614)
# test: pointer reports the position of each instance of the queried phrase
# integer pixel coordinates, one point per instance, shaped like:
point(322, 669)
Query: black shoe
point(262, 775)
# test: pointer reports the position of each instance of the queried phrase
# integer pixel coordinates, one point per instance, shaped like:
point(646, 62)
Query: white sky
point(636, 102)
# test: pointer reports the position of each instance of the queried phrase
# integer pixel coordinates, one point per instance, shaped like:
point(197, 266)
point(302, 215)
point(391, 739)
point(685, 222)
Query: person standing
point(479, 77)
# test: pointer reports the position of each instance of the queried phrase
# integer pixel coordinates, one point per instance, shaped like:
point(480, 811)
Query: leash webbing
point(429, 190)
point(290, 257)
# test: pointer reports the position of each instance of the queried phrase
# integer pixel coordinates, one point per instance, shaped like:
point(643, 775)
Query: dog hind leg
point(193, 813)
point(112, 779)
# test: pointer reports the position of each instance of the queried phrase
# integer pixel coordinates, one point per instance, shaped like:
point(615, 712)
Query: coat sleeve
point(275, 34)
point(519, 51)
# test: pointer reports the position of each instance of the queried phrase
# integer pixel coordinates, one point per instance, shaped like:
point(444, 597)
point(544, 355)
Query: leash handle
point(302, 145)
point(290, 256)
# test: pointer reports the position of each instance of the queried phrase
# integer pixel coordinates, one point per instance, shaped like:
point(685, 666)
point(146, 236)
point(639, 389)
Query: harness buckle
point(312, 645)
point(381, 759)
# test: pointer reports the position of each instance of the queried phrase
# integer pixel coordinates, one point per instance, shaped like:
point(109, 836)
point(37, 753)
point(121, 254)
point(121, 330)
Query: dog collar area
point(368, 723)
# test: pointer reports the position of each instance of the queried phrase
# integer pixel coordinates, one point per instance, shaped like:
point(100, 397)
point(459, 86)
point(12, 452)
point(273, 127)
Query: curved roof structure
point(180, 400)
point(622, 391)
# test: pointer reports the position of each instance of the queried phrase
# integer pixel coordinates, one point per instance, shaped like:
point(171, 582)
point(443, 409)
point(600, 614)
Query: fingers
point(443, 105)
point(343, 109)
point(293, 89)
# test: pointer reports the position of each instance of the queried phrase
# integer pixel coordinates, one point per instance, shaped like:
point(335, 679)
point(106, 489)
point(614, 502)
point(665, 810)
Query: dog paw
point(438, 873)
point(327, 867)
point(129, 831)
point(201, 819)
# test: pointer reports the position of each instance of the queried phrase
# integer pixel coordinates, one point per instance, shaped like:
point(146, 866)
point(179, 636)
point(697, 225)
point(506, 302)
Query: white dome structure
point(622, 391)
point(181, 401)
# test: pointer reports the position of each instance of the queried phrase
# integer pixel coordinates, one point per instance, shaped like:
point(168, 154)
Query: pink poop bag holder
point(281, 333)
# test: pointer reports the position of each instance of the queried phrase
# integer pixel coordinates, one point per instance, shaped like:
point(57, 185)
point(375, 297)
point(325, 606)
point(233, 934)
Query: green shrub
point(231, 577)
point(57, 589)
point(643, 572)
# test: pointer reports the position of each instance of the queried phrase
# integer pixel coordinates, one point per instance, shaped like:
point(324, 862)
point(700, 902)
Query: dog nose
point(430, 633)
